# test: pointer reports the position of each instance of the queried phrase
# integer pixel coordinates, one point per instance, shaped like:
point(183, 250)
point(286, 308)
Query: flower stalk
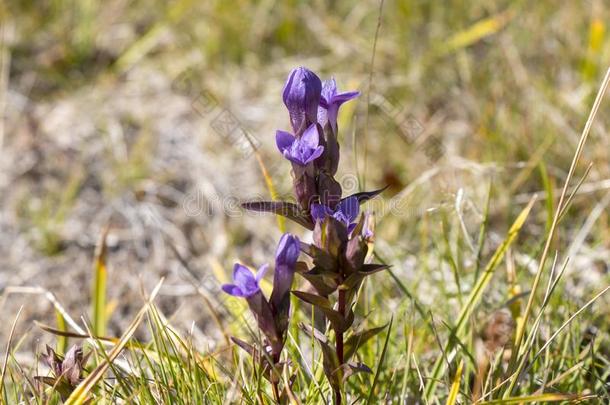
point(339, 342)
point(337, 260)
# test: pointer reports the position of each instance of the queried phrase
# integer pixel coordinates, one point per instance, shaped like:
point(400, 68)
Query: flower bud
point(286, 257)
point(329, 190)
point(304, 184)
point(301, 96)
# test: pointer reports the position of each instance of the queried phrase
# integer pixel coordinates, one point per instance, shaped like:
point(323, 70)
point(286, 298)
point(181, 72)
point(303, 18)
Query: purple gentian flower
point(301, 150)
point(330, 102)
point(302, 96)
point(286, 256)
point(287, 252)
point(345, 212)
point(245, 283)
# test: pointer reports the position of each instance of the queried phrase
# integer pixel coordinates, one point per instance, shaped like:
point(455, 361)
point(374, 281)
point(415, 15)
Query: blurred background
point(141, 116)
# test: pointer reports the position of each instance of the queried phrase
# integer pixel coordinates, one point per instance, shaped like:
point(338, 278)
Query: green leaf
point(356, 340)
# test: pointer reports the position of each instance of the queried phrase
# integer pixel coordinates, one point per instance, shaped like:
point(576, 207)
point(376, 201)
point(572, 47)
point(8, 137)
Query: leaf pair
point(295, 213)
point(335, 372)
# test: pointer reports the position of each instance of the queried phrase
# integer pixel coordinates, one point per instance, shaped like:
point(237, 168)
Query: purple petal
point(349, 208)
point(319, 212)
point(233, 290)
point(322, 115)
point(351, 227)
point(343, 97)
point(331, 116)
point(310, 137)
point(243, 278)
point(286, 256)
point(329, 89)
point(301, 96)
point(261, 272)
point(288, 85)
point(241, 273)
point(287, 251)
point(315, 154)
point(284, 140)
point(313, 86)
point(294, 159)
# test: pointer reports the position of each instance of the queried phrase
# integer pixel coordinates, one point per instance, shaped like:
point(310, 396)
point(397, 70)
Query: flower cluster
point(271, 315)
point(339, 257)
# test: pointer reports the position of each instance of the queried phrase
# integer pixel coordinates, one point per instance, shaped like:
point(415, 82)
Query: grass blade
point(80, 394)
point(98, 290)
point(477, 293)
point(8, 351)
point(539, 398)
point(560, 206)
point(381, 360)
point(455, 387)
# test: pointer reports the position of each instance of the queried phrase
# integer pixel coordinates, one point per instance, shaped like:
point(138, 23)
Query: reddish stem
point(339, 342)
point(275, 378)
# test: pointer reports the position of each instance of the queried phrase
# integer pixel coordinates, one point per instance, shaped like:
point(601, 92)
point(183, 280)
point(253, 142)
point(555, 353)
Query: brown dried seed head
point(70, 367)
point(498, 330)
point(73, 364)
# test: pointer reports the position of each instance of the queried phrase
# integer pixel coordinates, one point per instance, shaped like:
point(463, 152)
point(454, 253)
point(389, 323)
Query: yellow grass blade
point(455, 387)
point(62, 340)
point(281, 222)
point(98, 290)
point(539, 398)
point(477, 31)
point(597, 31)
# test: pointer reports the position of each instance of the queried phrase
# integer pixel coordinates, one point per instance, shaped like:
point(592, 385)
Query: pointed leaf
point(283, 208)
point(338, 321)
point(353, 367)
point(321, 258)
point(366, 195)
point(354, 279)
point(247, 347)
point(330, 362)
point(374, 268)
point(321, 281)
point(358, 339)
point(315, 300)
